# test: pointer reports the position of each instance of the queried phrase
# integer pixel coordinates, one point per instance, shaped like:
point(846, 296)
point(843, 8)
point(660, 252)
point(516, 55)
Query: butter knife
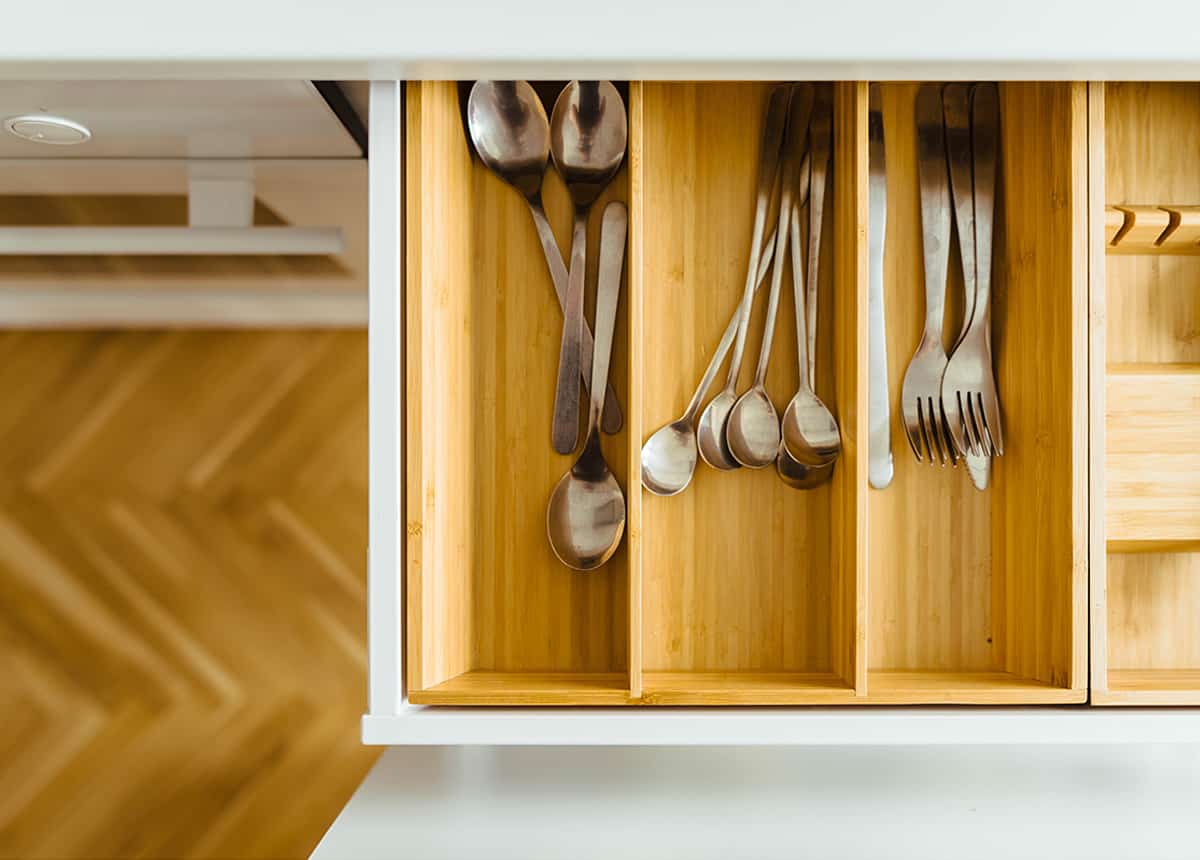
point(879, 468)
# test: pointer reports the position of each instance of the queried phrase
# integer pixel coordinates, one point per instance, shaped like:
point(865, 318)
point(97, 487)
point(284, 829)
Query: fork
point(969, 401)
point(921, 394)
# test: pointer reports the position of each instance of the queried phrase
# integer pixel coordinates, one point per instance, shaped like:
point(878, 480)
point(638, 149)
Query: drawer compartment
point(1146, 523)
point(740, 590)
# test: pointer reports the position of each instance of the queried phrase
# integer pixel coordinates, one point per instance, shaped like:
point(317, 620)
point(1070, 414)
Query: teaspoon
point(511, 133)
point(752, 431)
point(793, 473)
point(586, 514)
point(810, 432)
point(588, 133)
point(710, 435)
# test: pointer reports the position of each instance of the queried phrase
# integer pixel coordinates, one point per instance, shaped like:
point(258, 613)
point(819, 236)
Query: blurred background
point(183, 467)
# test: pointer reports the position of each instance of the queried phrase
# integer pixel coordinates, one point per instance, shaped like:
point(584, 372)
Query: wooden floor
point(182, 591)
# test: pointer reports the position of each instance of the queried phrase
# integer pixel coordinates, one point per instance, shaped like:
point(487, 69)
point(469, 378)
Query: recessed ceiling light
point(44, 128)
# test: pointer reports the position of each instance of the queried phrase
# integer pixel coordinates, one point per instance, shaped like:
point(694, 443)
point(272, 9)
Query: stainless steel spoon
point(586, 515)
point(752, 431)
point(794, 473)
point(669, 456)
point(511, 133)
point(810, 432)
point(710, 435)
point(588, 133)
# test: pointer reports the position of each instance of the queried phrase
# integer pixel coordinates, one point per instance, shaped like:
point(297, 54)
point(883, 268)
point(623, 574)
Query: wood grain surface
point(1146, 591)
point(182, 591)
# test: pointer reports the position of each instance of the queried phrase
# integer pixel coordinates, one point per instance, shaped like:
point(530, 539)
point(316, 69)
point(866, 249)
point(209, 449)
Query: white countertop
point(398, 39)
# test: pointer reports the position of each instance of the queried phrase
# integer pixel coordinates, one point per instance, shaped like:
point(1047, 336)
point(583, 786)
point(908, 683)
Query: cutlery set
point(949, 403)
point(735, 431)
point(585, 137)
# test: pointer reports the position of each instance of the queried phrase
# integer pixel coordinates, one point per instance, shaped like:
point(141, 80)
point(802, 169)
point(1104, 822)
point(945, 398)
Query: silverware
point(969, 399)
point(879, 467)
point(752, 431)
point(588, 133)
point(511, 133)
point(793, 473)
point(810, 432)
point(669, 456)
point(586, 514)
point(920, 397)
point(710, 434)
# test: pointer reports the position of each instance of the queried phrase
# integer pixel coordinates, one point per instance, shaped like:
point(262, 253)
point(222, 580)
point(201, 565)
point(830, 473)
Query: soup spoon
point(793, 473)
point(511, 133)
point(752, 432)
point(588, 133)
point(586, 515)
point(710, 435)
point(810, 432)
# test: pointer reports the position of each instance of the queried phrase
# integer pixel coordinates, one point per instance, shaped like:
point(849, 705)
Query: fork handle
point(935, 206)
point(985, 116)
point(957, 101)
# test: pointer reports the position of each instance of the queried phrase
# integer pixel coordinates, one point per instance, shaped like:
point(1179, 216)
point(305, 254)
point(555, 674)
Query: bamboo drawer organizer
point(1145, 567)
point(740, 590)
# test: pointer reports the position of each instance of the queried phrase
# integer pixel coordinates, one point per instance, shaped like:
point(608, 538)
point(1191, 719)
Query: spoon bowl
point(753, 429)
point(510, 131)
point(669, 459)
point(797, 475)
point(589, 129)
point(710, 435)
point(810, 432)
point(586, 517)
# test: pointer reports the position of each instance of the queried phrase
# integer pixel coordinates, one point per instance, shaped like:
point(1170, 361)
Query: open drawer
point(740, 591)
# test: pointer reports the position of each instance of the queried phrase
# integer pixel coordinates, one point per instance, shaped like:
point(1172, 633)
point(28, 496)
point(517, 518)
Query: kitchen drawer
point(1146, 364)
point(739, 591)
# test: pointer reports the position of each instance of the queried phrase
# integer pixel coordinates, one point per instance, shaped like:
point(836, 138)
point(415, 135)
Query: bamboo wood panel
point(963, 581)
point(1152, 465)
point(485, 591)
point(1147, 596)
point(182, 591)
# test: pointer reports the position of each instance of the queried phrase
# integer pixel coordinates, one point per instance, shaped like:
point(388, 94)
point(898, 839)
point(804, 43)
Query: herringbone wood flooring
point(182, 591)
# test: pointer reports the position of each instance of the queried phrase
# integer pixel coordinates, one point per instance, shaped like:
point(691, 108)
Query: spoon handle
point(799, 112)
point(565, 432)
point(611, 420)
point(772, 141)
point(722, 350)
point(821, 136)
point(613, 228)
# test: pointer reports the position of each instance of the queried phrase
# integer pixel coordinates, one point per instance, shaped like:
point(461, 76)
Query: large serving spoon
point(511, 133)
point(810, 432)
point(586, 514)
point(669, 456)
point(710, 434)
point(588, 133)
point(752, 431)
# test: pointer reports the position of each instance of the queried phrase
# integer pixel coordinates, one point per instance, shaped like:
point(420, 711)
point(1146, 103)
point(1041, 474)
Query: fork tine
point(975, 427)
point(991, 413)
point(952, 409)
point(926, 454)
point(947, 442)
point(935, 431)
point(985, 427)
point(912, 427)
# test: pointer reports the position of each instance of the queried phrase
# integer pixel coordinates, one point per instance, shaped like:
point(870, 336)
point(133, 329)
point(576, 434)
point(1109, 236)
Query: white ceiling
point(180, 119)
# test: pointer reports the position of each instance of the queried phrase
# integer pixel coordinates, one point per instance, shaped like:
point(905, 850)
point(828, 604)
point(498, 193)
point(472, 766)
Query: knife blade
point(880, 468)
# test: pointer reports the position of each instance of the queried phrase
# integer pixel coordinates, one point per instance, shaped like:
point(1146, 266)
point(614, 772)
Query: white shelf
point(866, 726)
